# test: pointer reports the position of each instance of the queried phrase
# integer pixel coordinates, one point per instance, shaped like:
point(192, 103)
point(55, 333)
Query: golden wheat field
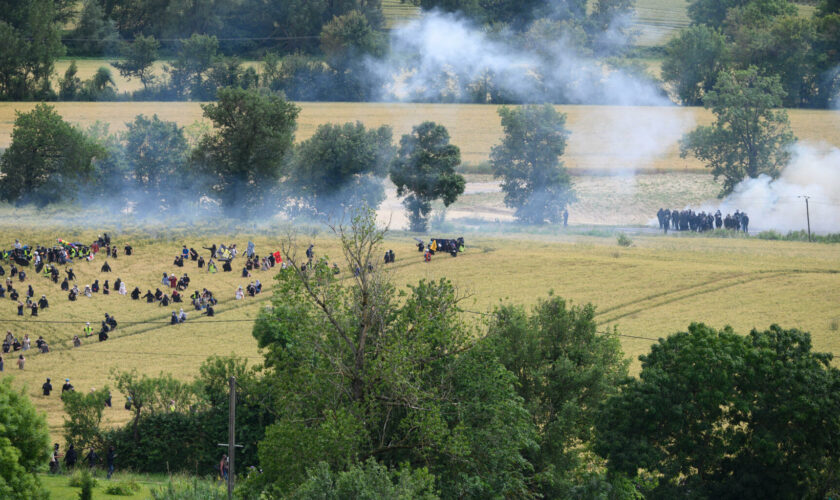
point(654, 288)
point(603, 138)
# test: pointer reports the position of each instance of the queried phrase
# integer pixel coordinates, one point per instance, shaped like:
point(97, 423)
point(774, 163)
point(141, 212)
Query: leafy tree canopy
point(47, 160)
point(749, 137)
point(24, 445)
point(719, 415)
point(535, 182)
point(340, 168)
point(424, 169)
point(246, 155)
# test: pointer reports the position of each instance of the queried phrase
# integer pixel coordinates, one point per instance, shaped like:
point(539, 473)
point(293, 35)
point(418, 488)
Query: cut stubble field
point(650, 290)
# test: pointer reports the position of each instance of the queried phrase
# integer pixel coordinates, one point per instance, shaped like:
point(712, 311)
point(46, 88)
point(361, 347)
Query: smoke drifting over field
point(775, 204)
point(443, 55)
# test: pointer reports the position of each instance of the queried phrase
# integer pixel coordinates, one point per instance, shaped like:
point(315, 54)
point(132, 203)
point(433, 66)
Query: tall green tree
point(750, 136)
point(187, 72)
point(693, 60)
point(94, 34)
point(534, 180)
point(82, 424)
point(24, 445)
point(565, 369)
point(246, 154)
point(341, 167)
point(362, 371)
point(368, 480)
point(717, 415)
point(156, 153)
point(139, 56)
point(424, 170)
point(47, 159)
point(30, 36)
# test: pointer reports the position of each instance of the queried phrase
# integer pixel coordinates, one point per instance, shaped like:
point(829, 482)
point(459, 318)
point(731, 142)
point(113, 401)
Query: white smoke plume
point(440, 54)
point(813, 171)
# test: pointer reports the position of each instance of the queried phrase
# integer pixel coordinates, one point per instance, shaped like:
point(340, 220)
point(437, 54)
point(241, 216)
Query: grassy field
point(652, 289)
point(604, 138)
point(59, 488)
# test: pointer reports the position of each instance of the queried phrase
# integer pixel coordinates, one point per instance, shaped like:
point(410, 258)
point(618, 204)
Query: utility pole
point(231, 444)
point(807, 215)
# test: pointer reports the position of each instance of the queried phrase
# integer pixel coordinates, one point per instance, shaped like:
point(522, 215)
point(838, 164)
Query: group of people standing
point(688, 220)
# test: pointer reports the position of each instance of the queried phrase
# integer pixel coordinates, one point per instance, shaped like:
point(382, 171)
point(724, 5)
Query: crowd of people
point(688, 220)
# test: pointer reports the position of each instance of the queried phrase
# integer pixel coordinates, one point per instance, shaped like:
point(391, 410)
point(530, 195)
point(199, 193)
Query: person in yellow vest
point(88, 330)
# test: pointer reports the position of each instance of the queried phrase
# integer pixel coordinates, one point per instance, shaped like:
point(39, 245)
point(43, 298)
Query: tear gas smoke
point(814, 170)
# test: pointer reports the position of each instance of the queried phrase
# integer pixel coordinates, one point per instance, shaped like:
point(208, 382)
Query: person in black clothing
point(174, 319)
point(164, 301)
point(149, 297)
point(34, 310)
point(103, 333)
point(70, 274)
point(128, 249)
point(20, 308)
point(22, 275)
point(110, 460)
point(110, 321)
point(2, 292)
point(65, 285)
point(108, 400)
point(117, 284)
point(226, 267)
point(105, 267)
point(67, 386)
point(95, 286)
point(201, 262)
point(70, 457)
point(114, 252)
point(71, 295)
point(43, 303)
point(13, 294)
point(13, 272)
point(30, 292)
point(106, 289)
point(193, 254)
point(209, 311)
point(135, 294)
point(212, 249)
point(176, 297)
point(92, 458)
point(47, 387)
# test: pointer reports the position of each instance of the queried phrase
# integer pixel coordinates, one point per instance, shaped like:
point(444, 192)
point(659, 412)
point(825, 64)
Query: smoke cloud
point(444, 56)
point(814, 171)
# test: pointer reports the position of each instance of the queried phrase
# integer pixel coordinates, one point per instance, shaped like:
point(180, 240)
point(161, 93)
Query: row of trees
point(770, 35)
point(368, 390)
point(248, 163)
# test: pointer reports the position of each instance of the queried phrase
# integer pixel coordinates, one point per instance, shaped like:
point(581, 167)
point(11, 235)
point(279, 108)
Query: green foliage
point(152, 395)
point(30, 35)
point(369, 480)
point(122, 488)
point(187, 72)
point(139, 56)
point(718, 415)
point(46, 159)
point(564, 369)
point(189, 490)
point(94, 34)
point(84, 417)
point(424, 170)
point(340, 168)
point(156, 153)
point(348, 37)
point(70, 84)
point(246, 154)
point(534, 180)
point(86, 483)
point(360, 372)
point(80, 476)
point(624, 240)
point(749, 137)
point(24, 445)
point(516, 12)
point(692, 62)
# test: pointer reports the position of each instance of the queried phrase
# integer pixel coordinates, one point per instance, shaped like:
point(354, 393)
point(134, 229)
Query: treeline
point(248, 166)
point(366, 392)
point(803, 52)
point(311, 50)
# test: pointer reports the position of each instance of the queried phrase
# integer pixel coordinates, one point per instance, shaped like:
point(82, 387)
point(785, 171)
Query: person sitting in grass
point(135, 294)
point(105, 268)
point(43, 303)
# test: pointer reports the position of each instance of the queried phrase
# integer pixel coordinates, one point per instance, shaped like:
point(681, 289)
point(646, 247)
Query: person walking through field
point(109, 459)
